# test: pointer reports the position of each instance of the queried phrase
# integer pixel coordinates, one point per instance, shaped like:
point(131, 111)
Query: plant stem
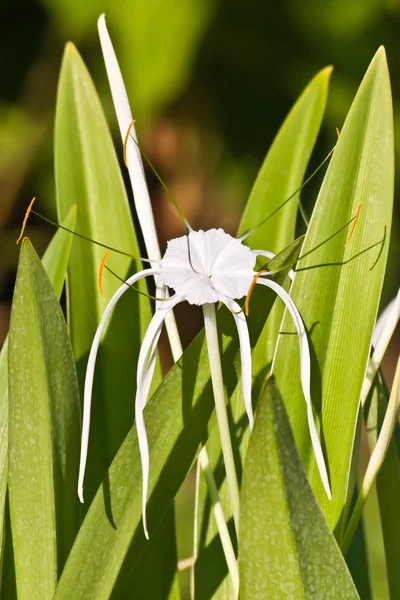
point(210, 323)
point(220, 520)
point(205, 466)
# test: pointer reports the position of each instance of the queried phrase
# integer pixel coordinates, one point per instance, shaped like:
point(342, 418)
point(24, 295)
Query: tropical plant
point(278, 508)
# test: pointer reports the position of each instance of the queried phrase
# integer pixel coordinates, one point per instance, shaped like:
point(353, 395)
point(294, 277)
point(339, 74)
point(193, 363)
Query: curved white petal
point(245, 356)
point(134, 159)
point(270, 255)
point(151, 363)
point(305, 375)
point(265, 253)
point(87, 398)
point(142, 387)
point(135, 167)
point(383, 332)
point(387, 320)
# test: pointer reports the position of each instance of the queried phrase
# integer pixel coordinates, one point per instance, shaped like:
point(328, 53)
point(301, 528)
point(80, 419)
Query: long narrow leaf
point(337, 288)
point(280, 176)
point(44, 429)
point(55, 261)
point(285, 546)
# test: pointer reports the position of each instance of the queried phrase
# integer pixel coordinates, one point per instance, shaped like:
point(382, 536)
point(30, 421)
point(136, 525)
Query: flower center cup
point(207, 266)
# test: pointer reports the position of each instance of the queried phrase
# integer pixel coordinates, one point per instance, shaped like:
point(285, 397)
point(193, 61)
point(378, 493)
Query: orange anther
point(126, 141)
point(100, 274)
point(338, 132)
point(28, 210)
point(354, 223)
point(253, 283)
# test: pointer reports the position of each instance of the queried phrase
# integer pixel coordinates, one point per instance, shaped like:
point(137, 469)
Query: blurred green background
point(210, 82)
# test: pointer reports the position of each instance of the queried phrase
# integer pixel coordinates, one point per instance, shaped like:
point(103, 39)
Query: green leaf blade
point(44, 430)
point(285, 546)
point(339, 302)
point(55, 261)
point(282, 173)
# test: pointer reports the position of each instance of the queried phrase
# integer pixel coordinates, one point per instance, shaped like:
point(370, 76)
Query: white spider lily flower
point(203, 267)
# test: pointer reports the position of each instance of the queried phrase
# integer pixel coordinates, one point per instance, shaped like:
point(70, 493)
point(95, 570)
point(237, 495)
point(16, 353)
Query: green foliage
point(285, 545)
point(286, 542)
point(55, 261)
point(337, 288)
point(44, 429)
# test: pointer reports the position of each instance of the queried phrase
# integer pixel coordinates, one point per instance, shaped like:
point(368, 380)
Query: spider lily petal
point(135, 167)
point(87, 398)
point(305, 375)
point(151, 363)
point(388, 318)
point(265, 253)
point(383, 332)
point(245, 356)
point(134, 159)
point(144, 376)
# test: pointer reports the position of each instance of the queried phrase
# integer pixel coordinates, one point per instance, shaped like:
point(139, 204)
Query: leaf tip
point(70, 49)
point(327, 70)
point(70, 58)
point(380, 58)
point(381, 52)
point(324, 74)
point(26, 242)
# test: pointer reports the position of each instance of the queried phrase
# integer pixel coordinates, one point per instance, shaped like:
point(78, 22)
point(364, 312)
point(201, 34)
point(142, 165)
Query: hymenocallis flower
point(203, 268)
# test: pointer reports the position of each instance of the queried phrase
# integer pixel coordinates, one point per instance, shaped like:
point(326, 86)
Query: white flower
point(202, 267)
point(207, 267)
